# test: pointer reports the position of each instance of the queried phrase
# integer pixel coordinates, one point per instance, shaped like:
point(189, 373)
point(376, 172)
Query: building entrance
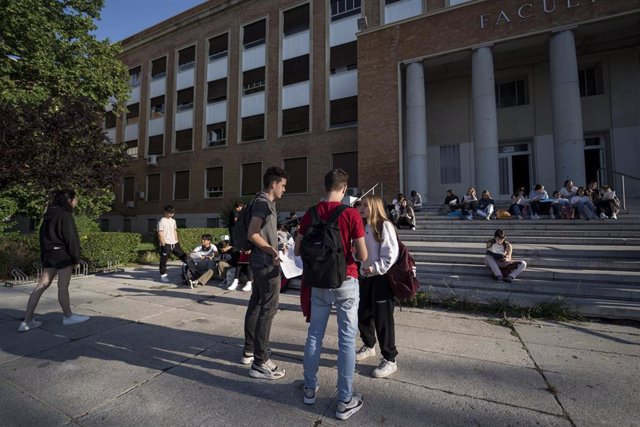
point(593, 157)
point(515, 168)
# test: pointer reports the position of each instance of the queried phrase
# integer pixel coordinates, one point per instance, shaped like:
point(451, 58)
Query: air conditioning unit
point(131, 204)
point(141, 195)
point(152, 160)
point(352, 191)
point(362, 23)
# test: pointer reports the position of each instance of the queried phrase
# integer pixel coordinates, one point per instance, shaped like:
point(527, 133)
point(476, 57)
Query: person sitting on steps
point(486, 205)
point(498, 258)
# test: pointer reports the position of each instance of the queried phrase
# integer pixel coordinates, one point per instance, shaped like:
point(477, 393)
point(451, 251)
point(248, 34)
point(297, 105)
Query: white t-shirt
point(169, 229)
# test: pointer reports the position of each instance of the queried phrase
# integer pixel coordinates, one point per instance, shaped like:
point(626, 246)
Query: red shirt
point(351, 227)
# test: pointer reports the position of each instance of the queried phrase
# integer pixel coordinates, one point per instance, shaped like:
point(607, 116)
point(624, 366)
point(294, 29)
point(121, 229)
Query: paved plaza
point(158, 355)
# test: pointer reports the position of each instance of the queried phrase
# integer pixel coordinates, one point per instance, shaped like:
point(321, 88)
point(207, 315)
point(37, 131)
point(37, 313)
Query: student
point(59, 253)
point(345, 299)
point(265, 265)
point(416, 201)
point(406, 216)
point(168, 238)
point(451, 202)
point(498, 258)
point(538, 200)
point(375, 314)
point(233, 217)
point(486, 205)
point(205, 254)
point(469, 203)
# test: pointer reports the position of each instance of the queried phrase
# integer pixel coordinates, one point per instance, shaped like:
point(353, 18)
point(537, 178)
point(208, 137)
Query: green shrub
point(98, 249)
point(148, 257)
point(19, 251)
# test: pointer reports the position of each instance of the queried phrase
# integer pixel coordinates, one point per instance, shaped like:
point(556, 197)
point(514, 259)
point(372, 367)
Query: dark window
point(219, 46)
point(344, 56)
point(511, 94)
point(133, 112)
point(349, 163)
point(295, 120)
point(297, 169)
point(295, 70)
point(590, 80)
point(254, 34)
point(156, 144)
point(253, 127)
point(184, 140)
point(296, 20)
point(181, 223)
point(344, 111)
point(213, 222)
point(153, 187)
point(186, 58)
point(185, 99)
point(217, 134)
point(157, 107)
point(253, 80)
point(132, 147)
point(251, 178)
point(390, 1)
point(129, 189)
point(158, 68)
point(214, 182)
point(181, 185)
point(217, 90)
point(343, 8)
point(134, 77)
point(110, 120)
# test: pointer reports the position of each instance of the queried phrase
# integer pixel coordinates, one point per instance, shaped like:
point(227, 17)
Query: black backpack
point(240, 229)
point(322, 251)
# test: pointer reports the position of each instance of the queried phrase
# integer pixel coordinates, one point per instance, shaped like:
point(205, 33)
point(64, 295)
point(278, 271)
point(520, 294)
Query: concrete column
point(415, 145)
point(568, 137)
point(485, 122)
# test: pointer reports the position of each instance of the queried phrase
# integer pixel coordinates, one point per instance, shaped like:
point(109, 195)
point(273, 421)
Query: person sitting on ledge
point(498, 258)
point(486, 205)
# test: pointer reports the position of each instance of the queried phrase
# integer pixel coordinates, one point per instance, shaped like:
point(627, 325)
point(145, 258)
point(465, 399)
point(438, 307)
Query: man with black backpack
point(262, 233)
point(327, 232)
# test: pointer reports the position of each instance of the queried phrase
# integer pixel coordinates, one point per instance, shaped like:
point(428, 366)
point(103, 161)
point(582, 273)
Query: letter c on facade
point(521, 10)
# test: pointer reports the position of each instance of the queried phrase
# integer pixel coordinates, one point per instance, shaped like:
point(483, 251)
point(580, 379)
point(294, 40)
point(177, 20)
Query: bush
point(19, 251)
point(98, 249)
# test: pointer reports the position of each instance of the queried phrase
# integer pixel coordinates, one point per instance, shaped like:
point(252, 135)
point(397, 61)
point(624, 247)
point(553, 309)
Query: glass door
point(514, 161)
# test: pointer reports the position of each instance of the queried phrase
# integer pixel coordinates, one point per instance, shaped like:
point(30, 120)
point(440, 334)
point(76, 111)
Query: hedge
point(19, 251)
point(189, 238)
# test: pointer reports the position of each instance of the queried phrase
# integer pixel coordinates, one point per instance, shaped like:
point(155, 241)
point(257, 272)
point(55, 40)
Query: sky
point(123, 18)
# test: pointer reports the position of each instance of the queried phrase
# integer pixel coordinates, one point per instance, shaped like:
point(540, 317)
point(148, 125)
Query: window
point(156, 144)
point(151, 225)
point(132, 148)
point(344, 57)
point(213, 222)
point(126, 225)
point(295, 70)
point(158, 68)
point(449, 164)
point(186, 58)
point(217, 134)
point(297, 169)
point(511, 94)
point(181, 185)
point(343, 8)
point(134, 77)
point(133, 112)
point(295, 120)
point(214, 183)
point(153, 187)
point(217, 90)
point(253, 81)
point(344, 112)
point(254, 34)
point(181, 222)
point(110, 120)
point(157, 107)
point(253, 127)
point(185, 99)
point(184, 140)
point(104, 224)
point(590, 81)
point(251, 178)
point(347, 162)
point(218, 47)
point(296, 20)
point(128, 189)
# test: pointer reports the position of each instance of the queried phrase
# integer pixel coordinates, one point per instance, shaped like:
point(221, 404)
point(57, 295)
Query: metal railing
point(372, 190)
point(602, 173)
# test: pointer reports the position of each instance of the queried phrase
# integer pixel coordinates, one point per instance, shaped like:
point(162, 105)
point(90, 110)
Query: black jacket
point(58, 229)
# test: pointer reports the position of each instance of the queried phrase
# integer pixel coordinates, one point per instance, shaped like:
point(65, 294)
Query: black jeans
point(263, 306)
point(167, 250)
point(375, 315)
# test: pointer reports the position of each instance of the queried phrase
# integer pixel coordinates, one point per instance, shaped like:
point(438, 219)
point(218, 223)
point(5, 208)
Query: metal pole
point(624, 198)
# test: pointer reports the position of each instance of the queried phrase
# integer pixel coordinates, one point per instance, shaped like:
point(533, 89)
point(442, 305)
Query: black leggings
point(375, 315)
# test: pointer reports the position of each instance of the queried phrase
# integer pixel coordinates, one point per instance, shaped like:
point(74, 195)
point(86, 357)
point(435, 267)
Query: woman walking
point(59, 253)
point(375, 313)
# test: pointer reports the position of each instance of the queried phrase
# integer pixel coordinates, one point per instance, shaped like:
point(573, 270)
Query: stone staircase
point(592, 265)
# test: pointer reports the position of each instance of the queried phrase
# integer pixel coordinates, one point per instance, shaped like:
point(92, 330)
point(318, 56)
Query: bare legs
point(64, 277)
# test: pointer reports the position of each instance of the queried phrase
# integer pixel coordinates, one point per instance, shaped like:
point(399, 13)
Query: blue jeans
point(346, 299)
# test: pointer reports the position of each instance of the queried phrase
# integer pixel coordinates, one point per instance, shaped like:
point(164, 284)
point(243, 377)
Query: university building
point(419, 95)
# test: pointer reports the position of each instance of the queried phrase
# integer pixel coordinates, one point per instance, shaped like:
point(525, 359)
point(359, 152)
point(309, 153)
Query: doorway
point(593, 157)
point(515, 168)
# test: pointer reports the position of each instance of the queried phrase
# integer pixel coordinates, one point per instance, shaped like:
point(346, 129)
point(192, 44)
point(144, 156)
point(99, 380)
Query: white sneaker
point(602, 215)
point(247, 359)
point(164, 278)
point(346, 409)
point(536, 216)
point(247, 287)
point(234, 285)
point(24, 327)
point(364, 353)
point(552, 216)
point(614, 216)
point(384, 369)
point(74, 319)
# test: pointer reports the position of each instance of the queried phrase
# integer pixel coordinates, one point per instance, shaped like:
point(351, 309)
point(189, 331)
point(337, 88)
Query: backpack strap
point(315, 218)
point(336, 213)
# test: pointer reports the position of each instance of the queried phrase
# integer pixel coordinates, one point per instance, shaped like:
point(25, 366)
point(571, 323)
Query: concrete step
point(537, 239)
point(540, 224)
point(556, 234)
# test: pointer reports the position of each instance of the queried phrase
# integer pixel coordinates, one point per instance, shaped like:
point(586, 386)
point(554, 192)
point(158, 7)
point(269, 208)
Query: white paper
point(290, 264)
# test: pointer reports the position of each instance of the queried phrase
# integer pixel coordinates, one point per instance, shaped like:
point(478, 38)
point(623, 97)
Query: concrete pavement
point(158, 355)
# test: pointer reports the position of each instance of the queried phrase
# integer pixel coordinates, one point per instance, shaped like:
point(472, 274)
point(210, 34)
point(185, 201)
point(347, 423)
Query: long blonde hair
point(377, 215)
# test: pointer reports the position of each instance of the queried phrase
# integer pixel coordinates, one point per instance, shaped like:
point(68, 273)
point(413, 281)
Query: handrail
point(622, 175)
point(370, 190)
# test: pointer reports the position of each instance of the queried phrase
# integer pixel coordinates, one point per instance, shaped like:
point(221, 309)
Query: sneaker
point(413, 228)
point(614, 216)
point(346, 409)
point(164, 278)
point(508, 279)
point(74, 319)
point(247, 359)
point(499, 279)
point(364, 353)
point(192, 283)
point(602, 215)
point(24, 326)
point(234, 285)
point(552, 216)
point(535, 216)
point(519, 217)
point(268, 370)
point(384, 369)
point(309, 397)
point(247, 287)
